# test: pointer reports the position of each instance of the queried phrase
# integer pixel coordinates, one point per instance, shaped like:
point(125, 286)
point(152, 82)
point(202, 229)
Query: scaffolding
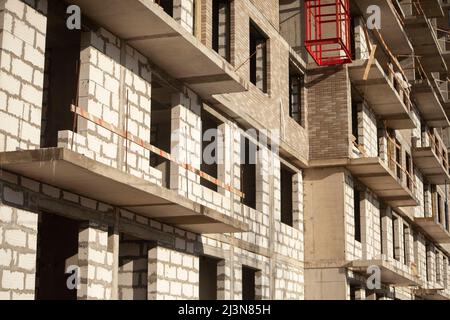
point(328, 31)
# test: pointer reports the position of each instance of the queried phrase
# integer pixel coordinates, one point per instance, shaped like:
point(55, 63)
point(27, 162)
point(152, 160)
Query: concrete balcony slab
point(76, 173)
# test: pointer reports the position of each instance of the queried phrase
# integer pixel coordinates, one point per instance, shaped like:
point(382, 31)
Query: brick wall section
point(172, 274)
point(329, 114)
point(22, 42)
point(18, 234)
point(95, 262)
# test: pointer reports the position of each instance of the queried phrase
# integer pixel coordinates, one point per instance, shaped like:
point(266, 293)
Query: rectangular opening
point(427, 263)
point(398, 159)
point(357, 214)
point(208, 278)
point(210, 145)
point(353, 290)
point(287, 214)
point(57, 249)
point(248, 172)
point(395, 238)
point(167, 6)
point(61, 73)
point(248, 283)
point(258, 57)
point(160, 133)
point(133, 267)
point(405, 244)
point(221, 28)
point(296, 84)
point(409, 171)
point(439, 208)
point(355, 131)
point(437, 264)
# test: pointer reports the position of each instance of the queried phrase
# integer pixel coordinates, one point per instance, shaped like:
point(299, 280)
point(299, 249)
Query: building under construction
point(329, 134)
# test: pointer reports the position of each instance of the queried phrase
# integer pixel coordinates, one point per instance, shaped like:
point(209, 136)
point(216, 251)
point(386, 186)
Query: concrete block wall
point(353, 248)
point(115, 85)
point(367, 131)
point(289, 282)
point(420, 255)
point(18, 239)
point(22, 43)
point(431, 265)
point(362, 48)
point(370, 226)
point(172, 274)
point(95, 262)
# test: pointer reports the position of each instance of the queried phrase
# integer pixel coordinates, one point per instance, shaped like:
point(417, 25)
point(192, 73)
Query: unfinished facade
point(321, 174)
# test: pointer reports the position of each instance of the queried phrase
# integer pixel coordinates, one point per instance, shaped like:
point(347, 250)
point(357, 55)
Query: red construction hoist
point(328, 31)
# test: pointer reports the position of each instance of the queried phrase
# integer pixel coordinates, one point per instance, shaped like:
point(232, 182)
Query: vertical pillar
point(96, 263)
point(223, 280)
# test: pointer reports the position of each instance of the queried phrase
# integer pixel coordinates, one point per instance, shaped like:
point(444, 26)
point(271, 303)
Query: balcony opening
point(248, 283)
point(438, 266)
point(439, 208)
point(133, 267)
point(427, 263)
point(61, 73)
point(409, 171)
point(210, 145)
point(353, 290)
point(258, 57)
point(221, 28)
point(57, 249)
point(357, 214)
point(160, 135)
point(167, 6)
point(296, 85)
point(287, 212)
point(405, 244)
point(355, 127)
point(248, 172)
point(208, 278)
point(395, 239)
point(398, 159)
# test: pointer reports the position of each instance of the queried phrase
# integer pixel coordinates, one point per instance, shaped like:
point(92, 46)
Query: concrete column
point(386, 236)
point(95, 262)
point(18, 234)
point(431, 264)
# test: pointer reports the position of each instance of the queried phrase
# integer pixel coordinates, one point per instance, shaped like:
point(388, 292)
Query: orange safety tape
point(129, 136)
